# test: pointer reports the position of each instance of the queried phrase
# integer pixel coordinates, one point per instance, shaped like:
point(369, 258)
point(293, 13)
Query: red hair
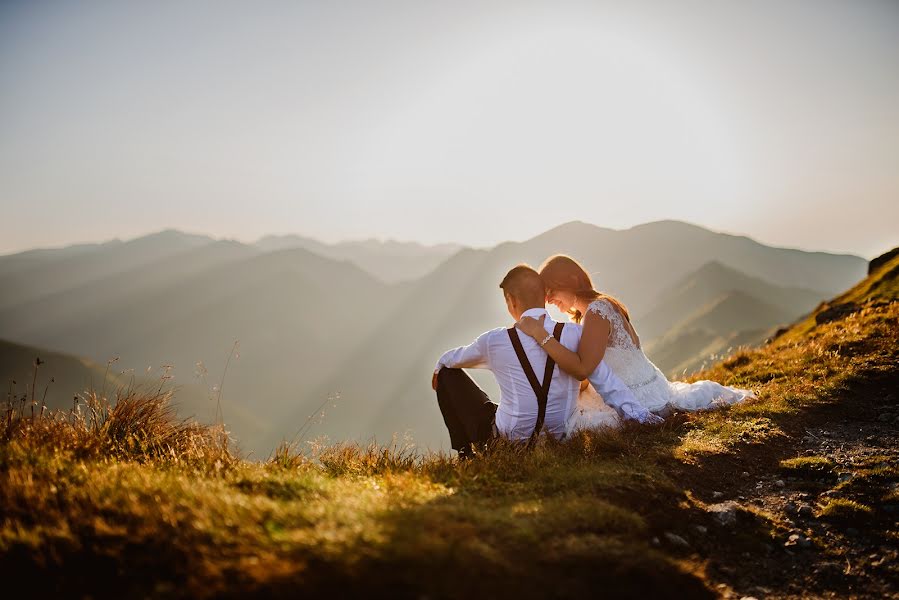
point(563, 273)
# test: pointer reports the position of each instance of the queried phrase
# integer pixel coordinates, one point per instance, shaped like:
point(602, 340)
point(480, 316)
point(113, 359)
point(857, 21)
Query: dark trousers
point(467, 411)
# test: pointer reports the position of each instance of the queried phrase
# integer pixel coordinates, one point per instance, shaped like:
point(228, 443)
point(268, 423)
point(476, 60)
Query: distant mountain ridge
point(388, 260)
point(711, 281)
point(314, 322)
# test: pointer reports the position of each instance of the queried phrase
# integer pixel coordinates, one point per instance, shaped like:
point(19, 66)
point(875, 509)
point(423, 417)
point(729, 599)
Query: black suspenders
point(542, 392)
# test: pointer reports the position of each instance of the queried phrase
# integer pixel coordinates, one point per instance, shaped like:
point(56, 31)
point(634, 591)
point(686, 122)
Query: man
point(528, 404)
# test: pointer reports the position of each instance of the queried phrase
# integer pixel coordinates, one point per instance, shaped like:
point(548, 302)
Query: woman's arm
point(594, 340)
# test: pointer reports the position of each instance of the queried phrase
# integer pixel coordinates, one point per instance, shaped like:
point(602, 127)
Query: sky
point(467, 122)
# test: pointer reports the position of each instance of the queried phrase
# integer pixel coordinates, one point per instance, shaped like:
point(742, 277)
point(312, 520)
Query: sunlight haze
point(471, 123)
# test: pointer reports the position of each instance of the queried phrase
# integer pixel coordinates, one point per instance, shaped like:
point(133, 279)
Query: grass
point(122, 497)
point(808, 466)
point(845, 510)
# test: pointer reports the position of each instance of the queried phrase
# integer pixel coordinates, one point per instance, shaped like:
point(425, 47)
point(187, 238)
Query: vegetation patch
point(808, 467)
point(840, 509)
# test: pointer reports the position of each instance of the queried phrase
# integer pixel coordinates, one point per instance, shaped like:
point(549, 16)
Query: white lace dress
point(647, 382)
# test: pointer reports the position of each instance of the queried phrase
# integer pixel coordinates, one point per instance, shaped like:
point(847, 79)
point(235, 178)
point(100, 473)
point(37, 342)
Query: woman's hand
point(532, 327)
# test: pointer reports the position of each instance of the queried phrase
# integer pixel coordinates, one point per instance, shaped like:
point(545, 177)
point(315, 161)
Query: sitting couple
point(600, 348)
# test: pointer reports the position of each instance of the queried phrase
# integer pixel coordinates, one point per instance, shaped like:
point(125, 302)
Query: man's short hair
point(524, 284)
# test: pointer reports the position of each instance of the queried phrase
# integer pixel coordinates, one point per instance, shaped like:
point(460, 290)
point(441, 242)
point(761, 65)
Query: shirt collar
point(535, 313)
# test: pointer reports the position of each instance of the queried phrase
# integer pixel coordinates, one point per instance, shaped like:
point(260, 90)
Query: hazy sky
point(453, 121)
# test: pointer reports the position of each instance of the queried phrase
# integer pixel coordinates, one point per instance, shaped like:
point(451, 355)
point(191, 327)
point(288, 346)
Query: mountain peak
point(172, 235)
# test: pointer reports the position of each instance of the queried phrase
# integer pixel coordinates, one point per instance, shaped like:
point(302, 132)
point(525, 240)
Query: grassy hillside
point(691, 350)
point(313, 324)
point(778, 497)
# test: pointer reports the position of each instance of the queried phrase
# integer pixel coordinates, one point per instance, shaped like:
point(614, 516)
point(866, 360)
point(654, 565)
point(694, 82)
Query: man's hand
point(434, 381)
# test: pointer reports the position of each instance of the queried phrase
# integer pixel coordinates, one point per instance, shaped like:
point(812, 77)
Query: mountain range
point(368, 320)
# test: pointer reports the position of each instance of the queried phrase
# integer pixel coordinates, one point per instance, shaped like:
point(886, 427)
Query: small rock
point(725, 513)
point(805, 511)
point(748, 598)
point(851, 531)
point(655, 542)
point(791, 508)
point(780, 483)
point(798, 540)
point(717, 495)
point(676, 540)
point(701, 529)
point(885, 418)
point(745, 474)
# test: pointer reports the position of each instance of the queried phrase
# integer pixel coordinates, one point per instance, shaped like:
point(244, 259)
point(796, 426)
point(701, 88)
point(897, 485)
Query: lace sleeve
point(602, 308)
point(605, 310)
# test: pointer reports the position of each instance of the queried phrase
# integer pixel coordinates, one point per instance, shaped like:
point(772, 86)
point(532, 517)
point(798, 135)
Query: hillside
point(732, 320)
point(709, 283)
point(71, 375)
point(313, 323)
point(790, 495)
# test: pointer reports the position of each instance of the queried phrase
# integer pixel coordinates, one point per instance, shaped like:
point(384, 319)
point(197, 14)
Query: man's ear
point(510, 303)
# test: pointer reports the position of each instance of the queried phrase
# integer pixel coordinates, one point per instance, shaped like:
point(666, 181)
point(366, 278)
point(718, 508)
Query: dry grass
point(844, 510)
point(129, 500)
point(808, 466)
point(139, 425)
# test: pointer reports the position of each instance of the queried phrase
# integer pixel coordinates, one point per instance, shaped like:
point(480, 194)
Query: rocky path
point(815, 515)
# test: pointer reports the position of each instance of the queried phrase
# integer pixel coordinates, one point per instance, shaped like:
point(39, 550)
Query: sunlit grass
point(127, 483)
point(805, 466)
point(842, 509)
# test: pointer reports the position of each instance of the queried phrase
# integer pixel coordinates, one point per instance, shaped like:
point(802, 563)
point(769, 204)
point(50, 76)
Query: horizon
point(460, 246)
point(468, 124)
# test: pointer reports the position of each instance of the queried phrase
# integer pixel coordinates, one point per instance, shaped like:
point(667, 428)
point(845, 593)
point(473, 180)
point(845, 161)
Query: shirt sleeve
point(475, 355)
point(617, 395)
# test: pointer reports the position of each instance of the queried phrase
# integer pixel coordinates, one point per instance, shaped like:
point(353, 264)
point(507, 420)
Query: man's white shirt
point(516, 414)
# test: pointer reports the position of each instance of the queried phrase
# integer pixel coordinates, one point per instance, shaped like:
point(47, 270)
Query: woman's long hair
point(563, 273)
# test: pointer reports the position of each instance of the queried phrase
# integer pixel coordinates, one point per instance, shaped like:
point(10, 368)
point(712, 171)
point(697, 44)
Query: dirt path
point(823, 526)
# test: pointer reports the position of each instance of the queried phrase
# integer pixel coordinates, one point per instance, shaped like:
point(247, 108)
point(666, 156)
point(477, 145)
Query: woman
point(608, 335)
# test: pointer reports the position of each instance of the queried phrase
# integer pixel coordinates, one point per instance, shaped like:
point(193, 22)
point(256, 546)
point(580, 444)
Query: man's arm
point(473, 356)
point(617, 395)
